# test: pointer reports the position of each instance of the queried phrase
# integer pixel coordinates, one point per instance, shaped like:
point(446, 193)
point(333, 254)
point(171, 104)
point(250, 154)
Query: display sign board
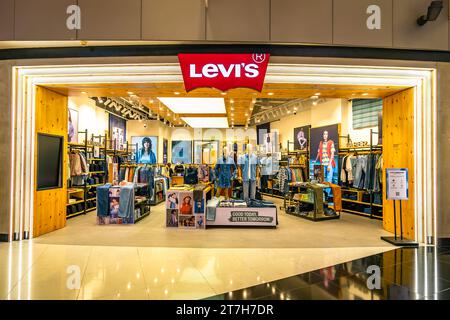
point(397, 184)
point(254, 217)
point(224, 71)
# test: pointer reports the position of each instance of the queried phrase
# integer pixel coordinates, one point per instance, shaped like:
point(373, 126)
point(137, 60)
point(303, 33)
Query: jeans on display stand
point(251, 184)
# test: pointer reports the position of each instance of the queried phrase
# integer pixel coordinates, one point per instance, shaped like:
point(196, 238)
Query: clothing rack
point(363, 150)
point(84, 147)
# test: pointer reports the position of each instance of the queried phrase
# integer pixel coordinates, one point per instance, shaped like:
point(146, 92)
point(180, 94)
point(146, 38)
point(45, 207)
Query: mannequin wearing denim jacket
point(224, 171)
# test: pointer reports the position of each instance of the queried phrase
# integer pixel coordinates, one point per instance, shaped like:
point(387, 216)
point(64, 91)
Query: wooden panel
point(398, 152)
point(241, 97)
point(50, 205)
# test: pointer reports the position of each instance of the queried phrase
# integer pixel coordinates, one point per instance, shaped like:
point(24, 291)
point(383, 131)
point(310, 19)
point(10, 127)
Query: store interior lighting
point(183, 105)
point(206, 122)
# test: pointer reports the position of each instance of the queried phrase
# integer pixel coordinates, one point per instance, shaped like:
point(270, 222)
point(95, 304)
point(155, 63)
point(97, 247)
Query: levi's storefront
point(222, 150)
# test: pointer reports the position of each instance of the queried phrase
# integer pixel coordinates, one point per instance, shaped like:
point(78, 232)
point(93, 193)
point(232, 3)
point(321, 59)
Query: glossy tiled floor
point(36, 271)
point(149, 261)
point(292, 232)
point(405, 274)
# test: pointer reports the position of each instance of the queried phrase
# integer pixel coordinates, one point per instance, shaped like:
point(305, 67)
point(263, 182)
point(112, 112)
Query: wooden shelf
point(362, 213)
point(90, 199)
point(79, 201)
point(91, 209)
point(96, 172)
point(75, 191)
point(74, 214)
point(94, 185)
point(361, 202)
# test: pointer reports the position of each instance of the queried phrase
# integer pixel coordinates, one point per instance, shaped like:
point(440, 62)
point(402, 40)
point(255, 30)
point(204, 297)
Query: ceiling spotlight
point(365, 94)
point(317, 94)
point(289, 111)
point(270, 93)
point(223, 93)
point(150, 100)
point(253, 100)
point(130, 93)
point(176, 93)
point(231, 108)
point(295, 108)
point(315, 103)
point(83, 92)
point(246, 114)
point(434, 10)
point(315, 97)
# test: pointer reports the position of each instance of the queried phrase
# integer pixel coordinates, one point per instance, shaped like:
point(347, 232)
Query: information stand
point(397, 190)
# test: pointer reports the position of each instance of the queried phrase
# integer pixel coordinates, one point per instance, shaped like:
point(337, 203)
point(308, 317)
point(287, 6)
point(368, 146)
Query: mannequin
point(224, 170)
point(249, 171)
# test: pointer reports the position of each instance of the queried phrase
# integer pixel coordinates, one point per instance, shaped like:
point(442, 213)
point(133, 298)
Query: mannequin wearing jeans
point(248, 172)
point(224, 171)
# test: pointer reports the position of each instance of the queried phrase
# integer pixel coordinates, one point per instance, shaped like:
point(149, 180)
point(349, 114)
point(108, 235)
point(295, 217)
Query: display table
point(186, 206)
point(244, 217)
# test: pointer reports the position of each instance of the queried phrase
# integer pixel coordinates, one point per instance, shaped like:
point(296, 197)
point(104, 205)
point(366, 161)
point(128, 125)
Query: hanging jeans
point(103, 200)
point(249, 185)
point(359, 172)
point(126, 201)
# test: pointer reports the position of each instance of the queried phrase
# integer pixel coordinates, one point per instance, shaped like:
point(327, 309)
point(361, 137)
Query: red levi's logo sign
point(224, 71)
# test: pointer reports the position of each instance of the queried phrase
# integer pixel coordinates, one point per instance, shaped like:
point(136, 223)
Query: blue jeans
point(250, 184)
point(103, 200)
point(126, 205)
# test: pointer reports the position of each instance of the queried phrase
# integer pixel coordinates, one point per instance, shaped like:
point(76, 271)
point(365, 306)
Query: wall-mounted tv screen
point(49, 162)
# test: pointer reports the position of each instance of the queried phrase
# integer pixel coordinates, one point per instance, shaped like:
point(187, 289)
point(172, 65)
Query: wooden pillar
point(398, 152)
point(50, 205)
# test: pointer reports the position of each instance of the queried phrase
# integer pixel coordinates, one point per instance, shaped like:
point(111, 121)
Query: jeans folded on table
point(103, 200)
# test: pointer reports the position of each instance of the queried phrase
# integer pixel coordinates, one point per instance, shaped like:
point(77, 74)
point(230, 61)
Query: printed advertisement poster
point(117, 132)
point(172, 218)
point(146, 149)
point(73, 126)
point(181, 152)
point(324, 151)
point(186, 203)
point(301, 138)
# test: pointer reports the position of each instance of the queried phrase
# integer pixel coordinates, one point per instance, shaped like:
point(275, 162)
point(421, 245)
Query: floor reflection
point(400, 274)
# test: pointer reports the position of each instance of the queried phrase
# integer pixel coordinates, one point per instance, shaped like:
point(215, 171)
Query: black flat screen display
point(49, 163)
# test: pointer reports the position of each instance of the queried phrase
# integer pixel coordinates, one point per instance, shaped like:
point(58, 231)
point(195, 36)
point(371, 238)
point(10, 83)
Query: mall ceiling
point(240, 103)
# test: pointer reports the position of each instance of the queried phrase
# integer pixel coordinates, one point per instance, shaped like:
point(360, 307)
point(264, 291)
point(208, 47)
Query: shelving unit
point(349, 205)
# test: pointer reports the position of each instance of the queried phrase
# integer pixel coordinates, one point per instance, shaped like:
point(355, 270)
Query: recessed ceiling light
point(83, 92)
point(246, 114)
point(206, 122)
point(150, 100)
point(195, 105)
point(223, 93)
point(365, 94)
point(176, 93)
point(315, 97)
point(231, 100)
point(317, 94)
point(315, 103)
point(130, 93)
point(270, 93)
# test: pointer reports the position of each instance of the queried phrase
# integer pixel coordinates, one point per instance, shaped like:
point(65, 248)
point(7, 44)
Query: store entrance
point(299, 164)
